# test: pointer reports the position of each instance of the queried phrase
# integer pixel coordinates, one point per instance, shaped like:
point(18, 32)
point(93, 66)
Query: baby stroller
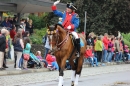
point(34, 62)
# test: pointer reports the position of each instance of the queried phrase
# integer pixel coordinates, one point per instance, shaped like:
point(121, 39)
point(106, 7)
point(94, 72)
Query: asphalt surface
point(111, 79)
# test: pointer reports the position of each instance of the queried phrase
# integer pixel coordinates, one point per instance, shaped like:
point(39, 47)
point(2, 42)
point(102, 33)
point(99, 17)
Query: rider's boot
point(78, 47)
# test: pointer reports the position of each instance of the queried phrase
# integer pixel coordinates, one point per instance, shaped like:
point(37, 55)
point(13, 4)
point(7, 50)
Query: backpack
point(44, 39)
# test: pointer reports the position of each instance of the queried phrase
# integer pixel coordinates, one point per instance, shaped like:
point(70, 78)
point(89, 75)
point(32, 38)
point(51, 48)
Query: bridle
point(58, 44)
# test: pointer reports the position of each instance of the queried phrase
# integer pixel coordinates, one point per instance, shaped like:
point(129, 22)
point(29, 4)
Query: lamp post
point(85, 21)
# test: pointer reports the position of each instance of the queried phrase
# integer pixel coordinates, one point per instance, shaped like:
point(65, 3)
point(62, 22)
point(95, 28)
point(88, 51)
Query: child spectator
point(51, 60)
point(26, 51)
point(38, 55)
point(89, 55)
point(126, 52)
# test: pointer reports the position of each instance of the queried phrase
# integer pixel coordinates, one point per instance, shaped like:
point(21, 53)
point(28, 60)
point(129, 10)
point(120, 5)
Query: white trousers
point(19, 55)
point(75, 35)
point(1, 59)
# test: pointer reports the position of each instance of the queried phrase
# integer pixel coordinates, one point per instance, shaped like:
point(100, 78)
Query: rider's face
point(68, 10)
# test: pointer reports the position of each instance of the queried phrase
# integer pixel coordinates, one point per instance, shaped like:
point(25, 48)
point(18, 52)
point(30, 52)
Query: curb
point(18, 72)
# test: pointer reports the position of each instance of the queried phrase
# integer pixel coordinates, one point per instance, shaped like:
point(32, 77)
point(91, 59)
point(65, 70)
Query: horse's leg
point(79, 63)
point(73, 71)
point(61, 73)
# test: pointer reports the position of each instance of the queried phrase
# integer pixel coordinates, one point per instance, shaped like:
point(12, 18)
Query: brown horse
point(63, 48)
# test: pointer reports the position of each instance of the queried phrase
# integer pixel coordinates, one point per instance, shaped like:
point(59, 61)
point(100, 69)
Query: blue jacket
point(74, 21)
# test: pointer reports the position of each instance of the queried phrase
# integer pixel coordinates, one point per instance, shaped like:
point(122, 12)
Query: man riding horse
point(70, 21)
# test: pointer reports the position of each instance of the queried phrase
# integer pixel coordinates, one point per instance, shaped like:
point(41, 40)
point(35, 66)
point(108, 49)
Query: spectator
point(51, 60)
point(117, 49)
point(15, 19)
point(26, 35)
point(47, 47)
point(105, 42)
point(99, 49)
point(126, 53)
point(89, 55)
point(2, 47)
point(60, 21)
point(26, 51)
point(22, 24)
point(31, 26)
point(13, 33)
point(110, 50)
point(7, 24)
point(18, 48)
point(0, 21)
point(27, 24)
point(38, 55)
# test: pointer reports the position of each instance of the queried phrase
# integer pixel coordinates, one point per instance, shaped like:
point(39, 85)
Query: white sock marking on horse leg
point(60, 81)
point(73, 75)
point(76, 80)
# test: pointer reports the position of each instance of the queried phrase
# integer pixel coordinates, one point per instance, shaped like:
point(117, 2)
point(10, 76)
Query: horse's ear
point(55, 26)
point(47, 25)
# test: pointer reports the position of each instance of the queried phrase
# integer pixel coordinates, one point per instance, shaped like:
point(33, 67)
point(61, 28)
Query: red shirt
point(88, 53)
point(50, 59)
point(12, 34)
point(105, 42)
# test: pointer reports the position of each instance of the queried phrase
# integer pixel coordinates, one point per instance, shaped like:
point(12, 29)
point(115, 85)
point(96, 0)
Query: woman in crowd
point(31, 26)
point(18, 48)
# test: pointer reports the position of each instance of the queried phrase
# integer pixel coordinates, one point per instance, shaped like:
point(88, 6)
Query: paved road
point(31, 79)
point(112, 79)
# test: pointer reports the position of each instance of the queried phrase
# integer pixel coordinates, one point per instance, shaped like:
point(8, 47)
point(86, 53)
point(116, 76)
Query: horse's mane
point(59, 25)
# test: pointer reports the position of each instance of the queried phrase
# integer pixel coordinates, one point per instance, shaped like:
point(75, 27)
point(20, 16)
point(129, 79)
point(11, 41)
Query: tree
point(103, 15)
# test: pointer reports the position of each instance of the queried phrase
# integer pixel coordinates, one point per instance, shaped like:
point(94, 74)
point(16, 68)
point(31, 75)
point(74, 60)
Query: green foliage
point(39, 21)
point(36, 38)
point(126, 38)
point(103, 15)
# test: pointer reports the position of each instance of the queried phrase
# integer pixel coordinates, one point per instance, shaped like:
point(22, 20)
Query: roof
point(29, 6)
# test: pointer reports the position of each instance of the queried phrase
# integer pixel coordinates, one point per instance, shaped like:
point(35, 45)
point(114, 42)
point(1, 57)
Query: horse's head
point(53, 36)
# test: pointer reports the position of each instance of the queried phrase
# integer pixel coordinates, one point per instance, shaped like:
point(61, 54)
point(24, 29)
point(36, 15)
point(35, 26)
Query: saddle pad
point(81, 43)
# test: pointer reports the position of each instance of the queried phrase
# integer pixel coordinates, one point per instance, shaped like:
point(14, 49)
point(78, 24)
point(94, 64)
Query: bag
point(26, 56)
point(12, 52)
point(44, 39)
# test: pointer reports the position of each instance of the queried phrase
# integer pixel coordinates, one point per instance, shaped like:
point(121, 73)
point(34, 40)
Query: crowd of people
point(107, 48)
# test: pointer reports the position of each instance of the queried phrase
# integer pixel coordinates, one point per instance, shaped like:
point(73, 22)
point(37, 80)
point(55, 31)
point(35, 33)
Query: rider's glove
point(69, 27)
point(56, 2)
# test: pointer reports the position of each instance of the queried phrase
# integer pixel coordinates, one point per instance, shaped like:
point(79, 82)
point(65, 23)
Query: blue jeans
point(55, 65)
point(109, 56)
point(92, 60)
point(120, 56)
point(45, 62)
point(104, 59)
point(21, 63)
point(46, 52)
point(117, 56)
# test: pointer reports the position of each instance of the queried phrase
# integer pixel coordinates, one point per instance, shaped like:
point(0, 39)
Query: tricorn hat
point(71, 6)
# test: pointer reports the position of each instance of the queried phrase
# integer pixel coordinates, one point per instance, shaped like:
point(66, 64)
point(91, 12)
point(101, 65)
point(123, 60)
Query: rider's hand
point(69, 27)
point(56, 2)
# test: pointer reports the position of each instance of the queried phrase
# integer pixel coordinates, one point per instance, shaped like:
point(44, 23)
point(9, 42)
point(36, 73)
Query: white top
point(47, 44)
